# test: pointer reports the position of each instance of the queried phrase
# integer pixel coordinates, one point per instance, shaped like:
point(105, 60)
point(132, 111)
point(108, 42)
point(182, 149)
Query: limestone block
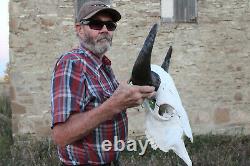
point(221, 115)
point(210, 62)
point(17, 108)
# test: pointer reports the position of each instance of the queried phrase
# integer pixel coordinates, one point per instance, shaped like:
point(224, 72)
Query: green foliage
point(207, 150)
point(152, 104)
point(5, 106)
point(28, 150)
point(5, 131)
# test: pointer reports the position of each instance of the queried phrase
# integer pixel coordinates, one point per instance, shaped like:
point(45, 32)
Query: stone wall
point(210, 62)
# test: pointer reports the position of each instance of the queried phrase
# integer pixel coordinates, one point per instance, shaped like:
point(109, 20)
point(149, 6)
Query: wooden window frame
point(179, 11)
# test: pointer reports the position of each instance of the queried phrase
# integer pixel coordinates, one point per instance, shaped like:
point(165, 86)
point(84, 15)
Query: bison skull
point(166, 120)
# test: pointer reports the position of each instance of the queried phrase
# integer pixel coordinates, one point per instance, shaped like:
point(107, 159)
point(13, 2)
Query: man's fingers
point(146, 89)
point(148, 95)
point(152, 95)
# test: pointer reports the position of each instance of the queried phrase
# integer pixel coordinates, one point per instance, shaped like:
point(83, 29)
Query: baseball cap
point(91, 8)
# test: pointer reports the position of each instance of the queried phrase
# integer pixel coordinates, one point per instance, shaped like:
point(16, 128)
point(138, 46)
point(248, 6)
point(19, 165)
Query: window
point(179, 10)
point(78, 4)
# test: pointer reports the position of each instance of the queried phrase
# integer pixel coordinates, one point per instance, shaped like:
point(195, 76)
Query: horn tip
point(156, 26)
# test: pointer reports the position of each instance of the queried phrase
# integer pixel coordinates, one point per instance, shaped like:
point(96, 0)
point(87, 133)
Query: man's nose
point(104, 29)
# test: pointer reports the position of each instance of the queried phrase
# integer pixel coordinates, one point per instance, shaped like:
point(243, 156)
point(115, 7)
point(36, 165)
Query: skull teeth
point(151, 141)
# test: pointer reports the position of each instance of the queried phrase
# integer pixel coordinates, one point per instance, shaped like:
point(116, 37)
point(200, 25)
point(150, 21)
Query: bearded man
point(88, 104)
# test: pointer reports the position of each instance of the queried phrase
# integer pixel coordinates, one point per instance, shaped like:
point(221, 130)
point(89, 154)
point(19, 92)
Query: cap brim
point(116, 16)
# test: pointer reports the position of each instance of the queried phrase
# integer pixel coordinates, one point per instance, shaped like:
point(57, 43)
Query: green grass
point(5, 106)
point(28, 151)
point(5, 130)
point(207, 150)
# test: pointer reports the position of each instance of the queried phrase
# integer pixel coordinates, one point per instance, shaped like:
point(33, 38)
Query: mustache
point(104, 36)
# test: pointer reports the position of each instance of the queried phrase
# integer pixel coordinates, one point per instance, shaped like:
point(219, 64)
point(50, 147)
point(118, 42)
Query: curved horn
point(165, 64)
point(141, 73)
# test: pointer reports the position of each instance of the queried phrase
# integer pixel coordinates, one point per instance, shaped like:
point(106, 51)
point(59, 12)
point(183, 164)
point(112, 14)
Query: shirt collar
point(96, 60)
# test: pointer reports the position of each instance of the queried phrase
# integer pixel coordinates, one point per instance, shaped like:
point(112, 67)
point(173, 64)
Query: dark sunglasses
point(98, 24)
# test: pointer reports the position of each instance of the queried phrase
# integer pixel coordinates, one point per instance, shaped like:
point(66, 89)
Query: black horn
point(141, 73)
point(166, 62)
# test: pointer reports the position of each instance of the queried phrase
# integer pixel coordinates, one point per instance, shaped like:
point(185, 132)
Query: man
point(88, 105)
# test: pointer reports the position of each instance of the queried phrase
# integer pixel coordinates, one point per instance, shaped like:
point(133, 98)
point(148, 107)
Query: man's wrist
point(110, 107)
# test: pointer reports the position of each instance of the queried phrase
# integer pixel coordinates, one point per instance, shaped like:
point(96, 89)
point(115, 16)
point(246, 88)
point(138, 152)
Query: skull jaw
point(166, 135)
point(165, 132)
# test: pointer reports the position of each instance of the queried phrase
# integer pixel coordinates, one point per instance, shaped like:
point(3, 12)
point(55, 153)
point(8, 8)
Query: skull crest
point(166, 119)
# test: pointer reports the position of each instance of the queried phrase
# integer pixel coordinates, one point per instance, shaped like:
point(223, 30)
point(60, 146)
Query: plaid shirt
point(81, 82)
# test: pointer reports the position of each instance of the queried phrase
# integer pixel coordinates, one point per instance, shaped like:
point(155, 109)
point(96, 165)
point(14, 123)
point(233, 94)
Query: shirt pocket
point(99, 88)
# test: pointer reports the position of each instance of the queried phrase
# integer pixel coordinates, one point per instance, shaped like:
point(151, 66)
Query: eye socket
point(166, 109)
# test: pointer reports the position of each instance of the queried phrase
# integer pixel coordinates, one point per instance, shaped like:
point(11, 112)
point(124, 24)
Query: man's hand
point(127, 96)
point(80, 124)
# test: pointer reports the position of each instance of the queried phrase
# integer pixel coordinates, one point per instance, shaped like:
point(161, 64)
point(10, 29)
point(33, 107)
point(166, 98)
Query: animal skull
point(166, 119)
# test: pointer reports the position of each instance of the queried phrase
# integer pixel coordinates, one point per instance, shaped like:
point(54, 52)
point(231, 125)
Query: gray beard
point(98, 46)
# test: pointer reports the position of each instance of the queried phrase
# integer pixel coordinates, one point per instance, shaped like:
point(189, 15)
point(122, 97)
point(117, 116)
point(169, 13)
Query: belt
point(113, 163)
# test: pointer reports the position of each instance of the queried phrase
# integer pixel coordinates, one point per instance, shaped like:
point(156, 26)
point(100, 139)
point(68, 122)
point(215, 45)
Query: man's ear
point(77, 27)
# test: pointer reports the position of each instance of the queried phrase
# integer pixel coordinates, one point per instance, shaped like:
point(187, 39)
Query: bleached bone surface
point(166, 132)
